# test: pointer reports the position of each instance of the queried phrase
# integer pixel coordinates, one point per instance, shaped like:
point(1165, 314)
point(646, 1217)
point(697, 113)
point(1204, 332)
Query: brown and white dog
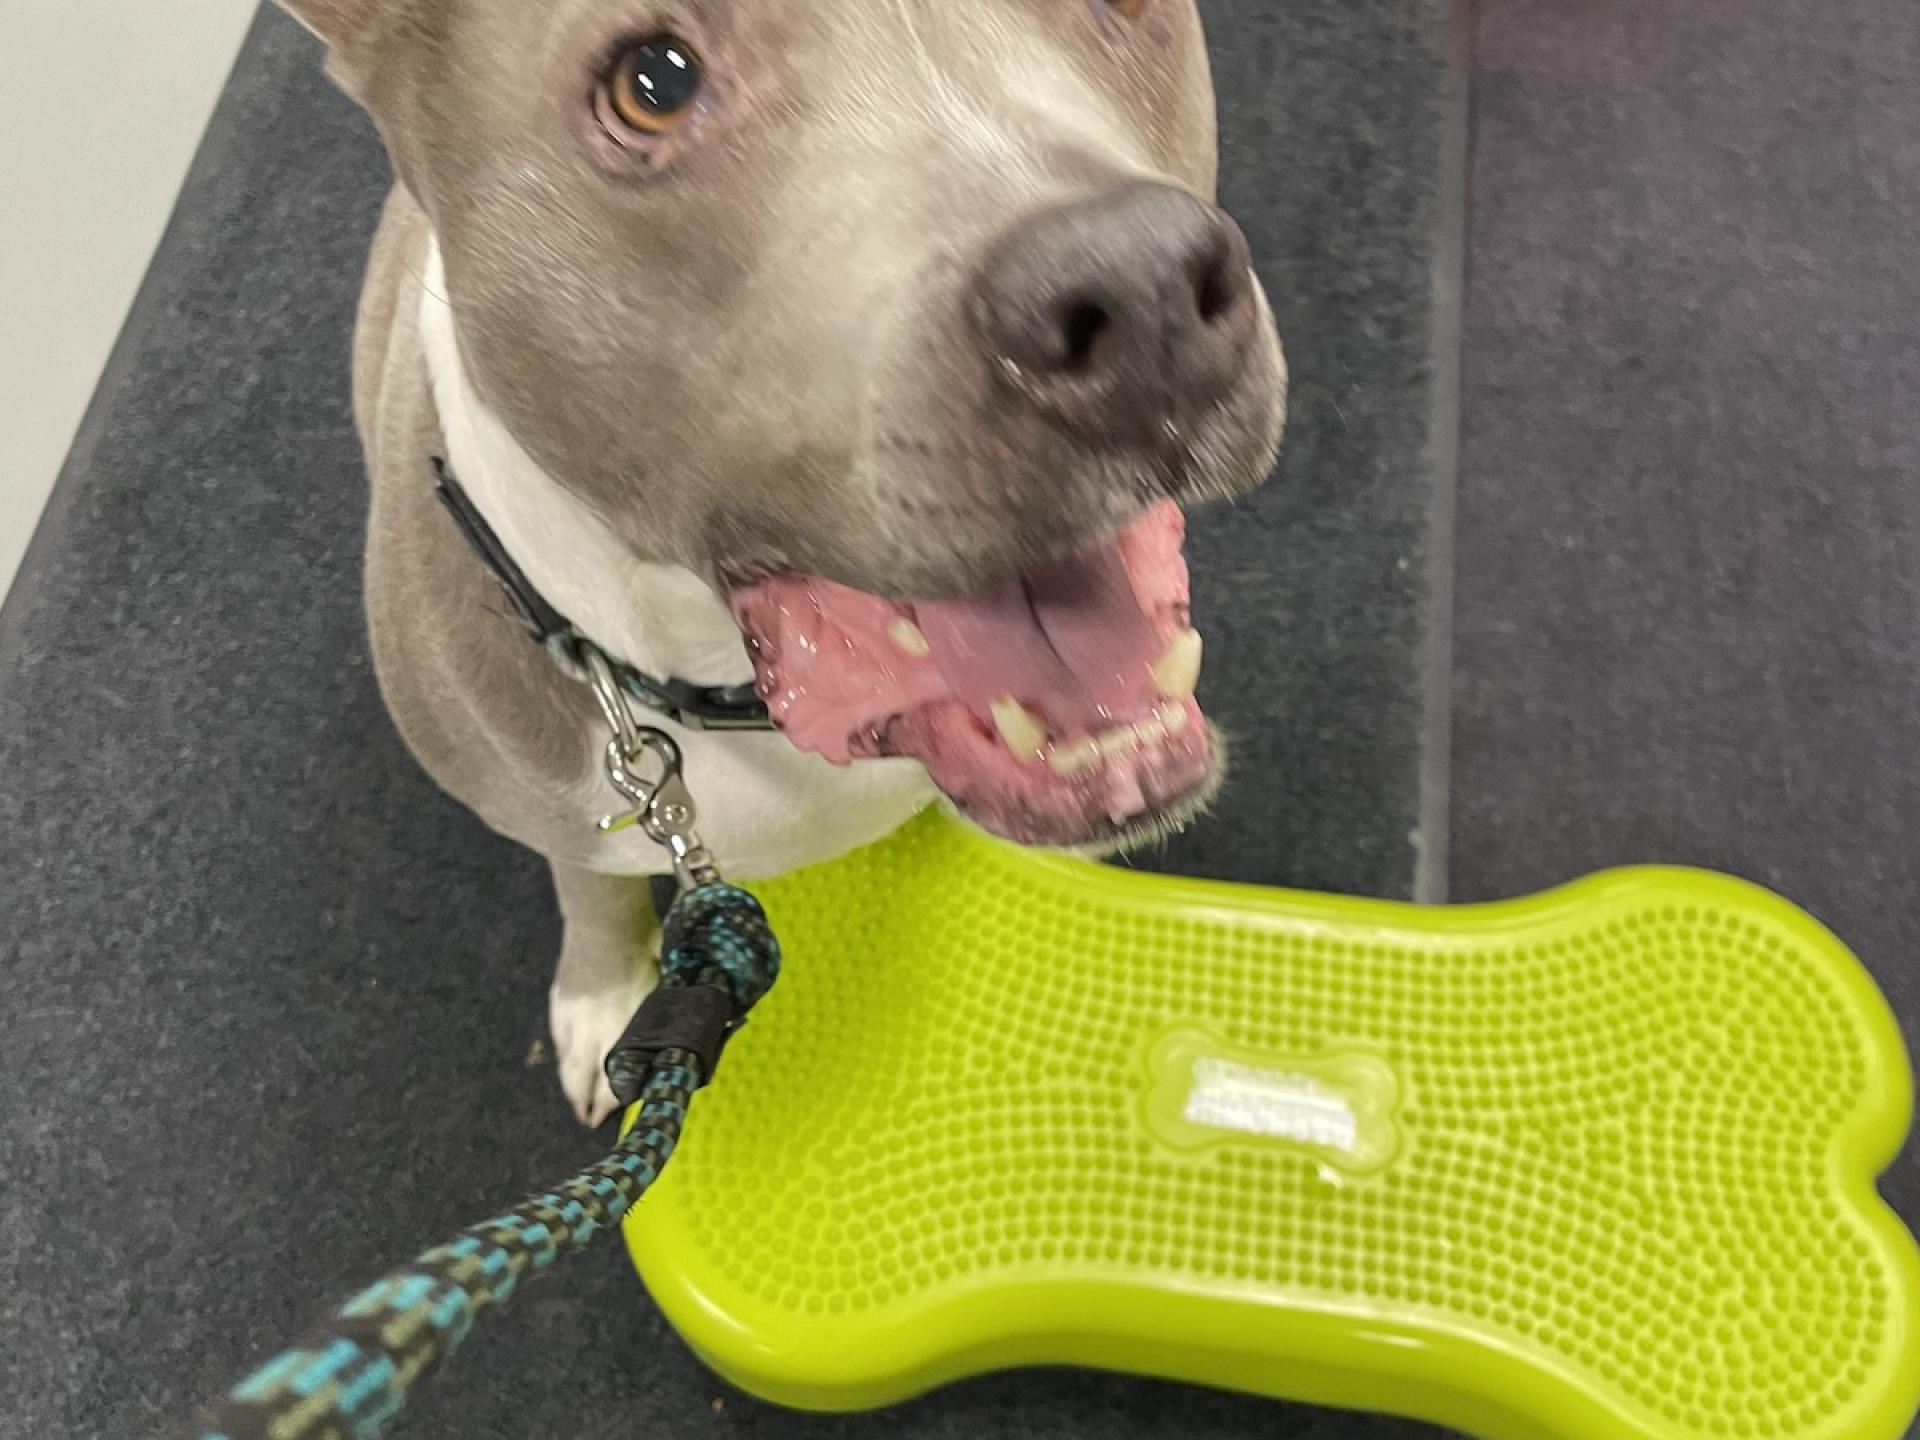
point(889, 335)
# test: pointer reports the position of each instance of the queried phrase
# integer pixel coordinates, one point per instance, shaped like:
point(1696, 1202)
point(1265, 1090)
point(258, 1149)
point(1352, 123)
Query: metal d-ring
point(612, 700)
point(629, 746)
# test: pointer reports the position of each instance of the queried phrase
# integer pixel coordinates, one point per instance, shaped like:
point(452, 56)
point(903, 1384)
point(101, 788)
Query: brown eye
point(1129, 8)
point(653, 85)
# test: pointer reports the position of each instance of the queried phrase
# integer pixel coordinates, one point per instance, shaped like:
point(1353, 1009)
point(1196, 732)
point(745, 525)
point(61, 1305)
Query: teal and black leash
point(352, 1375)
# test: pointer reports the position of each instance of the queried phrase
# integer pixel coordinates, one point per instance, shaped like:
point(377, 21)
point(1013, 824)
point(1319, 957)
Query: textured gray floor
point(268, 994)
point(1688, 557)
point(1316, 595)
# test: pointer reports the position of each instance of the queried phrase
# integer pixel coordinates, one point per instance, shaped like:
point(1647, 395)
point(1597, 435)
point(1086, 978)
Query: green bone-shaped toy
point(1594, 1164)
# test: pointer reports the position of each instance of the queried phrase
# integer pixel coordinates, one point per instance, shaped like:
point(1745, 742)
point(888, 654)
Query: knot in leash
point(718, 957)
point(718, 935)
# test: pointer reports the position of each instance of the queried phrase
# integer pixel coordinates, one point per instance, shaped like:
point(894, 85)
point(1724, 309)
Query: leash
point(351, 1376)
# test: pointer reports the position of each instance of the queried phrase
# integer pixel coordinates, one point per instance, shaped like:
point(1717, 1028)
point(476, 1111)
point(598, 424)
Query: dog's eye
point(1129, 8)
point(653, 85)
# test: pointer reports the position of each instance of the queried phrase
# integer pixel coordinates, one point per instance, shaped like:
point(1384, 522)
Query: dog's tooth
point(1070, 760)
point(1173, 719)
point(1019, 728)
point(1177, 672)
point(909, 639)
point(1124, 739)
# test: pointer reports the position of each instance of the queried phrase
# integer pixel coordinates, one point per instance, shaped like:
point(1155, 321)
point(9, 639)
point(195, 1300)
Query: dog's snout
point(1119, 311)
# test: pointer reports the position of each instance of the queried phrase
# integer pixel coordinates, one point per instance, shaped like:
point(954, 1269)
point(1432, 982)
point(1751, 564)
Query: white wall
point(101, 105)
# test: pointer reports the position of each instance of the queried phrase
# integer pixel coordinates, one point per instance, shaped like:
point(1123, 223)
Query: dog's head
point(909, 325)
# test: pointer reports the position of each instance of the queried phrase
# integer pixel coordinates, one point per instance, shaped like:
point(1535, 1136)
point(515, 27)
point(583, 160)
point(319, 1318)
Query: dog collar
point(697, 707)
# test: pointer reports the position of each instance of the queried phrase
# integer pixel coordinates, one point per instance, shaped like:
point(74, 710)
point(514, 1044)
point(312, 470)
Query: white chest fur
point(764, 806)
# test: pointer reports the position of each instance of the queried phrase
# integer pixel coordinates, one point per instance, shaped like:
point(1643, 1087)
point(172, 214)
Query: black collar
point(697, 707)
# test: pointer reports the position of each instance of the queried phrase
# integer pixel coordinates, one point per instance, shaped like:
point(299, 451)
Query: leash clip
point(662, 804)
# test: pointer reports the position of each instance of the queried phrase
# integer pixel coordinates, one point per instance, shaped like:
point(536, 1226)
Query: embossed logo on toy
point(1342, 1106)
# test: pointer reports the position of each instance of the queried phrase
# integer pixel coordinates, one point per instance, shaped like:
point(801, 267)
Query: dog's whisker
point(427, 290)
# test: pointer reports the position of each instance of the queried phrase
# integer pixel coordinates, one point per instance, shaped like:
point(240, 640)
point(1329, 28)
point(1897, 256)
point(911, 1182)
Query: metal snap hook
point(646, 767)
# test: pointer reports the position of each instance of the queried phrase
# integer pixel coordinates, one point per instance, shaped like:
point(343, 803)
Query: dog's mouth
point(1055, 707)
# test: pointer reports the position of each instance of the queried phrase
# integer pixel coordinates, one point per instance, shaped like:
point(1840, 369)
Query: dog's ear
point(338, 22)
point(353, 31)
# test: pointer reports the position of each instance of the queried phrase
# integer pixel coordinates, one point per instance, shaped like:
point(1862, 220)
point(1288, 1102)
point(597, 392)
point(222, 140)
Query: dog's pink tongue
point(1072, 641)
point(1075, 642)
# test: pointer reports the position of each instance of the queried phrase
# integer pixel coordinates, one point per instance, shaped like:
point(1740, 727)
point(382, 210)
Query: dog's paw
point(585, 1027)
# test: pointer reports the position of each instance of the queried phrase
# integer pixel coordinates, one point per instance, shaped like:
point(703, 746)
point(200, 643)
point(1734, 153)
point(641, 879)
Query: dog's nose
point(1120, 312)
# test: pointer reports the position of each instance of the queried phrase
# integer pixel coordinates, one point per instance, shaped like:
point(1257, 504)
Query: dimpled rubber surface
point(1598, 1163)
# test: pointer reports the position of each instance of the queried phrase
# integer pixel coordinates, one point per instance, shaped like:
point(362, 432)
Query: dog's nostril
point(1218, 284)
point(1082, 323)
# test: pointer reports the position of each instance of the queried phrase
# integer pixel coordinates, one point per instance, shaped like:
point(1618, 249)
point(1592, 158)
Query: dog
point(864, 352)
